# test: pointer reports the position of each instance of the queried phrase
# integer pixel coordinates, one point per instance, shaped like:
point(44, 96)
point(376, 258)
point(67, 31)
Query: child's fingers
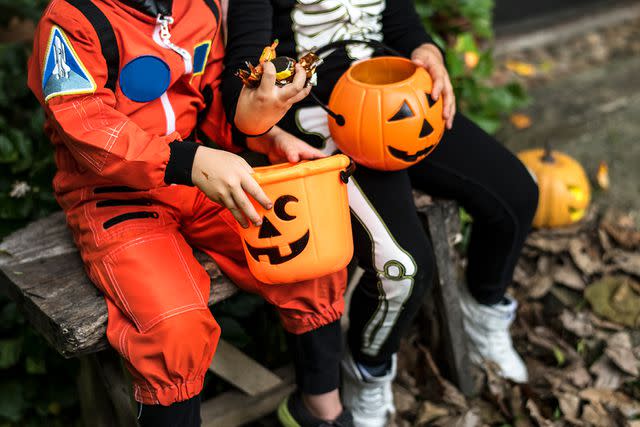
point(300, 95)
point(293, 156)
point(313, 153)
point(300, 77)
point(450, 120)
point(437, 89)
point(254, 190)
point(296, 86)
point(228, 202)
point(244, 205)
point(268, 77)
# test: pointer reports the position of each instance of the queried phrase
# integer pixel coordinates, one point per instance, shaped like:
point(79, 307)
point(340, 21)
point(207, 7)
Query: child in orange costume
point(125, 86)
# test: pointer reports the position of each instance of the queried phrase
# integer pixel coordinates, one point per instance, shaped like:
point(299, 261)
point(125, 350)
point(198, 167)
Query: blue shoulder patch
point(200, 54)
point(64, 73)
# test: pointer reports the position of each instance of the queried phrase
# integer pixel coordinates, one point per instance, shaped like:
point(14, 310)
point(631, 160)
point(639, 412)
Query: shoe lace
point(373, 398)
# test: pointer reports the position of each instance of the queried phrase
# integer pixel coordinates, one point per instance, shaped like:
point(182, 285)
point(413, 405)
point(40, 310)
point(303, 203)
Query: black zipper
point(114, 189)
point(127, 216)
point(129, 202)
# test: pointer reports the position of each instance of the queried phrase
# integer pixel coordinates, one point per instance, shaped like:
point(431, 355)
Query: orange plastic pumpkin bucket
point(307, 233)
point(388, 120)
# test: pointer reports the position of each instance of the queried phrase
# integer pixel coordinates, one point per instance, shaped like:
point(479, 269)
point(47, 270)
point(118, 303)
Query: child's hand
point(261, 108)
point(429, 57)
point(280, 146)
point(224, 178)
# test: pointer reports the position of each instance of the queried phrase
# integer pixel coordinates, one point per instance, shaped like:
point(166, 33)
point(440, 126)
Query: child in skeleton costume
point(126, 87)
point(390, 243)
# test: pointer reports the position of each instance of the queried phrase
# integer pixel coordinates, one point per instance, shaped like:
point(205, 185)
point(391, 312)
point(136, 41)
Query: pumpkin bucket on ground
point(386, 118)
point(564, 190)
point(307, 234)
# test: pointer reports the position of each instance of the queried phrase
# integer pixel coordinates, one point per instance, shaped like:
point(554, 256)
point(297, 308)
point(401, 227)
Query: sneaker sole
point(284, 416)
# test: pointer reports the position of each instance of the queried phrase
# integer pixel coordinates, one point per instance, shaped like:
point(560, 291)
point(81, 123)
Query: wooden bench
point(41, 270)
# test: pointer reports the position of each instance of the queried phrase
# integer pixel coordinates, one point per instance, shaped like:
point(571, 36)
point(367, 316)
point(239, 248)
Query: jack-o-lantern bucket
point(307, 234)
point(563, 186)
point(386, 118)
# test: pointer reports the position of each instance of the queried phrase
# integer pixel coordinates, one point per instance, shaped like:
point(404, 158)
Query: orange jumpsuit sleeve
point(98, 136)
point(214, 124)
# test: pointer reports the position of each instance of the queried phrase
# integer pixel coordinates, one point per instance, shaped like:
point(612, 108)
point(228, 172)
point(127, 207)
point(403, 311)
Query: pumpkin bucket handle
point(339, 118)
point(348, 172)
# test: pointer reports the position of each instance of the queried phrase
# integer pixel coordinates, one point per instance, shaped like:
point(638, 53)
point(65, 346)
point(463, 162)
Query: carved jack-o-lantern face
point(307, 234)
point(563, 186)
point(273, 237)
point(390, 119)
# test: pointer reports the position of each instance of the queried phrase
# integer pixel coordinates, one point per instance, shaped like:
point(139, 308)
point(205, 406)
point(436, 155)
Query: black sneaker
point(293, 413)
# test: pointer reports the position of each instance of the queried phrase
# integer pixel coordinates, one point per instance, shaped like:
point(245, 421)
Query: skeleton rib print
point(319, 22)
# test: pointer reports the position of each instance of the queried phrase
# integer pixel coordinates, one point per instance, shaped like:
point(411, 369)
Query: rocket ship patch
point(64, 73)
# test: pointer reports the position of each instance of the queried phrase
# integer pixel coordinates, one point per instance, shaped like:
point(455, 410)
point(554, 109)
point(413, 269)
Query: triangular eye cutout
point(426, 129)
point(430, 101)
point(267, 229)
point(404, 113)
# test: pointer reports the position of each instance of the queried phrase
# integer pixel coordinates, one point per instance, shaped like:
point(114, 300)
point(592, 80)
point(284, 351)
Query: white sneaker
point(369, 398)
point(487, 329)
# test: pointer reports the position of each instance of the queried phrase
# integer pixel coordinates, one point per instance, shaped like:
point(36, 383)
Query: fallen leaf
point(629, 407)
point(468, 419)
point(545, 244)
point(596, 415)
point(520, 120)
point(568, 276)
point(585, 256)
point(621, 229)
point(608, 376)
point(521, 68)
point(567, 297)
point(602, 176)
point(620, 352)
point(429, 411)
point(605, 240)
point(629, 262)
point(534, 411)
point(488, 413)
point(403, 398)
point(446, 391)
point(540, 286)
point(577, 374)
point(600, 295)
point(577, 323)
point(569, 404)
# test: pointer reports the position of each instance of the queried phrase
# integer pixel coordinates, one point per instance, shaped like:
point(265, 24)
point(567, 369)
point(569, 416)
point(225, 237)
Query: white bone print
point(318, 22)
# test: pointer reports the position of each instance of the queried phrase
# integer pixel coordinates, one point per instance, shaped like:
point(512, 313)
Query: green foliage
point(25, 153)
point(37, 386)
point(463, 28)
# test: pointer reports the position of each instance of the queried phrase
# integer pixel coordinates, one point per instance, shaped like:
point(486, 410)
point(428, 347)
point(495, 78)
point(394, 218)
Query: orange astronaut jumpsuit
point(121, 135)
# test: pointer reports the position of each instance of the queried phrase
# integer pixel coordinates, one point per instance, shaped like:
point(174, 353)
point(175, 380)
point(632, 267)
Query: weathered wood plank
point(45, 238)
point(444, 225)
point(235, 408)
point(55, 293)
point(237, 368)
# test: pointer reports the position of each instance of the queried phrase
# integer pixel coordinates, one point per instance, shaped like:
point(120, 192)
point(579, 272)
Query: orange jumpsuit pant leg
point(156, 292)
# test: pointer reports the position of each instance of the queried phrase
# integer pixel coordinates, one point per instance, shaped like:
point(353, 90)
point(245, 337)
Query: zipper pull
point(165, 35)
point(164, 22)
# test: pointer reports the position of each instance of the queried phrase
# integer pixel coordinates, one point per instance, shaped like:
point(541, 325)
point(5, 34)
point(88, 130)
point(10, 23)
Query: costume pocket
point(155, 277)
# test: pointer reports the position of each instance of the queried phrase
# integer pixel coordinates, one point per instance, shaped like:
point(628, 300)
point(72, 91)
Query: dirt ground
point(586, 102)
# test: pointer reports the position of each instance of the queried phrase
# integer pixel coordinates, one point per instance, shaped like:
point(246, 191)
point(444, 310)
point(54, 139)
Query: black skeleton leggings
point(392, 247)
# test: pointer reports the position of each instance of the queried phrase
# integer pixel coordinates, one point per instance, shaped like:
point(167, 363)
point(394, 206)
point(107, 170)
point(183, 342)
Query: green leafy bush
point(464, 29)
